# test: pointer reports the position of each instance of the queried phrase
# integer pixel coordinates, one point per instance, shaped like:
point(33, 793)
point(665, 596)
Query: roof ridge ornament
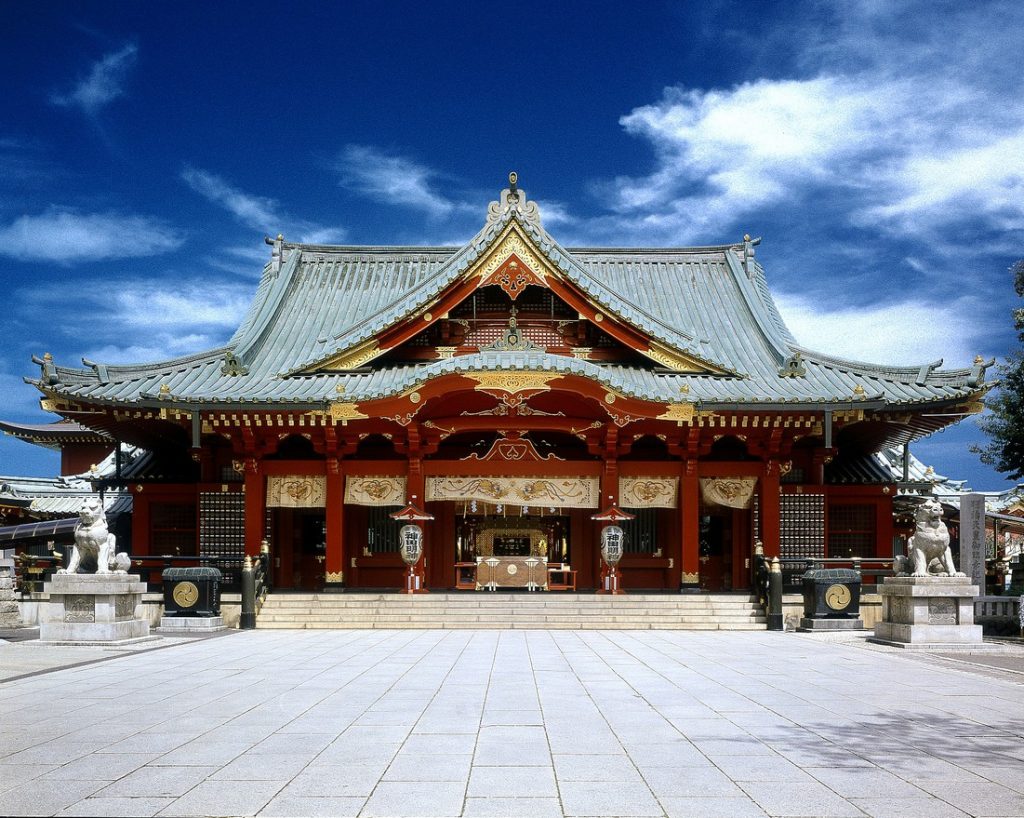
point(513, 199)
point(748, 254)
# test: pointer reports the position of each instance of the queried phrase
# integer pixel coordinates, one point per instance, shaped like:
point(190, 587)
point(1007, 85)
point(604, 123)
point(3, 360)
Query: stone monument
point(94, 600)
point(10, 617)
point(928, 604)
point(973, 546)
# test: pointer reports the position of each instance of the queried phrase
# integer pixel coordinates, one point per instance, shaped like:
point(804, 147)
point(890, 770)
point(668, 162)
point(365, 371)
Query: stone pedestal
point(928, 613)
point(93, 609)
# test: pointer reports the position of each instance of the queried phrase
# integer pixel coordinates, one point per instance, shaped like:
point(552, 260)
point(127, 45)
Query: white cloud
point(65, 236)
point(103, 84)
point(182, 306)
point(893, 131)
point(394, 180)
point(322, 235)
point(256, 211)
point(260, 212)
point(904, 333)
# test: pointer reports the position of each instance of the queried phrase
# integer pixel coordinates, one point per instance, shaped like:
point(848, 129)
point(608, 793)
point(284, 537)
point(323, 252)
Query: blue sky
point(147, 148)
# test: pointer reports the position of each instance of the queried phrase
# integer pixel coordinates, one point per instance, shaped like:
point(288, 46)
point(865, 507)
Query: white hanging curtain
point(296, 491)
point(731, 492)
point(562, 492)
point(375, 491)
point(648, 492)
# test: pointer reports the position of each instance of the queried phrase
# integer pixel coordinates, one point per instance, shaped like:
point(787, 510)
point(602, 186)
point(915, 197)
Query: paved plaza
point(512, 723)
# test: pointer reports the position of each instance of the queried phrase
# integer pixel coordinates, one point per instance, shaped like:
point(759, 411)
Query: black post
point(248, 618)
point(776, 622)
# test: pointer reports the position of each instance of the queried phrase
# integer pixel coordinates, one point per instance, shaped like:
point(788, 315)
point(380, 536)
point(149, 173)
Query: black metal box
point(832, 593)
point(191, 591)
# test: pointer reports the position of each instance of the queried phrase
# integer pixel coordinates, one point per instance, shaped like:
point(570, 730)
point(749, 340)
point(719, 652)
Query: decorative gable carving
point(512, 448)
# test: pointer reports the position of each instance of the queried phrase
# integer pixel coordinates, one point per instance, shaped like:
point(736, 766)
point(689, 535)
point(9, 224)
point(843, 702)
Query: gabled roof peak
point(513, 200)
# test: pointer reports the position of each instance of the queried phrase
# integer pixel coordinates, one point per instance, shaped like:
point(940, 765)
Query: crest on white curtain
point(375, 491)
point(296, 491)
point(648, 492)
point(731, 492)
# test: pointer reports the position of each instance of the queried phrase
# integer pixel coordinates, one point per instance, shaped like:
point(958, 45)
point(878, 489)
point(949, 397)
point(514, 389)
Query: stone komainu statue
point(928, 553)
point(94, 544)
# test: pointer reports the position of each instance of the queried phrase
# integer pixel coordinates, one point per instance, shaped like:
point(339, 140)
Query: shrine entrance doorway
point(724, 548)
point(299, 536)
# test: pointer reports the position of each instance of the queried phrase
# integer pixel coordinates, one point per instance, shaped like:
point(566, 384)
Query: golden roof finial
point(47, 356)
point(979, 359)
point(858, 390)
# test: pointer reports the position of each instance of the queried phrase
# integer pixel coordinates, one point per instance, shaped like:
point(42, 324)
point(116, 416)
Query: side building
point(512, 390)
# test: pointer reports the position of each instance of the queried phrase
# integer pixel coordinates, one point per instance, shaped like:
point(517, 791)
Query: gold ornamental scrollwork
point(691, 578)
point(512, 382)
point(353, 358)
point(334, 577)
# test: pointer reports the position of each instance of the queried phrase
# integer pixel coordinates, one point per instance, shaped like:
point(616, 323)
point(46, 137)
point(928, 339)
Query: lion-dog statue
point(929, 554)
point(93, 551)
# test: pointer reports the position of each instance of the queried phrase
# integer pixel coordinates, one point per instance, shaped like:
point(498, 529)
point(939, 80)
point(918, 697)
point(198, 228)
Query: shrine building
point(512, 393)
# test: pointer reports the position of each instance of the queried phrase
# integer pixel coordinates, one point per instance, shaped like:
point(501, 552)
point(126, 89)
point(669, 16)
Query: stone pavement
point(514, 723)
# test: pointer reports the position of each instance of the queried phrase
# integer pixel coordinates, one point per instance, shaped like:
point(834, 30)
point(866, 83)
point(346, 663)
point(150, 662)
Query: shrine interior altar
point(511, 572)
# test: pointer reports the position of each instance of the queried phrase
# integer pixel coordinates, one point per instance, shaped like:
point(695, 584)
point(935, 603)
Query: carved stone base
point(93, 609)
point(928, 613)
point(818, 625)
point(192, 624)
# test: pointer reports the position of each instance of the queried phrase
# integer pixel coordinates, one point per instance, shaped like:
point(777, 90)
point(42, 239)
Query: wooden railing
point(869, 568)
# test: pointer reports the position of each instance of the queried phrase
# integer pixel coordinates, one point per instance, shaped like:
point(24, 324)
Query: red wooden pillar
point(771, 521)
point(255, 506)
point(689, 526)
point(334, 567)
point(609, 497)
point(415, 484)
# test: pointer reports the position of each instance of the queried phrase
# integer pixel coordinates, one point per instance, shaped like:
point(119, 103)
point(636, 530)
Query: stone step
point(566, 626)
point(739, 620)
point(503, 610)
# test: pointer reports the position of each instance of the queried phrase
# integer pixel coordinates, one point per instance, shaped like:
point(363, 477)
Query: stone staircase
point(482, 609)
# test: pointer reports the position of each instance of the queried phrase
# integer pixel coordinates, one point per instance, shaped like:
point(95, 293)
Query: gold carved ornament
point(512, 382)
point(345, 412)
point(513, 243)
point(679, 412)
point(731, 492)
point(375, 491)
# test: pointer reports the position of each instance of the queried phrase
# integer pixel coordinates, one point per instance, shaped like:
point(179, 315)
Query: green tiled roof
point(320, 301)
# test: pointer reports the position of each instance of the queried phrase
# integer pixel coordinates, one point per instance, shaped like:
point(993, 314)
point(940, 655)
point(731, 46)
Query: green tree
point(1005, 423)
